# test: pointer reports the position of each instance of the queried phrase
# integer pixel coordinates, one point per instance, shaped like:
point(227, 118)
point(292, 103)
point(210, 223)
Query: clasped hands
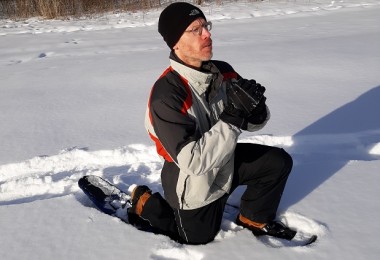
point(245, 103)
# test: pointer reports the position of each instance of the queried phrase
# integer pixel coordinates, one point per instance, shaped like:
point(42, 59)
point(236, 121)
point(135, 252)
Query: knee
point(288, 160)
point(282, 161)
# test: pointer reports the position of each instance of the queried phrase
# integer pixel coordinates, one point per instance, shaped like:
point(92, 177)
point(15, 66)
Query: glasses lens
point(208, 26)
point(199, 30)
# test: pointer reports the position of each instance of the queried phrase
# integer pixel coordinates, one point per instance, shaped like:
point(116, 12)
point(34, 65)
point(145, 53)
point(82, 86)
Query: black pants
point(263, 169)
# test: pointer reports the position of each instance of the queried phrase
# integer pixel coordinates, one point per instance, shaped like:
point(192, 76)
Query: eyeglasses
point(197, 30)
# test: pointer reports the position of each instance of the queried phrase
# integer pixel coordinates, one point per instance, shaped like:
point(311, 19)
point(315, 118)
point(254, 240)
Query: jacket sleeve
point(193, 152)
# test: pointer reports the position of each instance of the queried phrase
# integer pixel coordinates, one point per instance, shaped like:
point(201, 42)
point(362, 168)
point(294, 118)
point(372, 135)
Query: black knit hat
point(174, 20)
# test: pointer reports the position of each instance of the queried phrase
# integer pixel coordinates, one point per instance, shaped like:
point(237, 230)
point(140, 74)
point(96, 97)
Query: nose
point(206, 33)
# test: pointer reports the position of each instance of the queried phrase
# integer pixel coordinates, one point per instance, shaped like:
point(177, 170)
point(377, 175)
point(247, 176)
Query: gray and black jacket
point(183, 120)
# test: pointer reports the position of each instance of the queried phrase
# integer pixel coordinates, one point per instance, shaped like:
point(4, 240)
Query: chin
point(208, 57)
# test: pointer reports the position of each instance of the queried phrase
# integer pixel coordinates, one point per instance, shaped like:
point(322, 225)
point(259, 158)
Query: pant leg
point(200, 226)
point(160, 217)
point(264, 170)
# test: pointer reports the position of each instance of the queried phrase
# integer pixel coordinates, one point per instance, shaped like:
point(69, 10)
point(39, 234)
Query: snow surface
point(72, 102)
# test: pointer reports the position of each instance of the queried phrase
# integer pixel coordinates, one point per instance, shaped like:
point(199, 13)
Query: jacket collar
point(198, 80)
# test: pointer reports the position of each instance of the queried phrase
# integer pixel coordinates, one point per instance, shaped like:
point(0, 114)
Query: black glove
point(245, 103)
point(234, 116)
point(245, 94)
point(259, 114)
point(252, 88)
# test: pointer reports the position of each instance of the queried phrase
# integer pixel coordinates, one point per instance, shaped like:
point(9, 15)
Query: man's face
point(195, 44)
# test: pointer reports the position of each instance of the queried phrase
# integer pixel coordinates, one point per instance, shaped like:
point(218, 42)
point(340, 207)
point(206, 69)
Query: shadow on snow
point(321, 149)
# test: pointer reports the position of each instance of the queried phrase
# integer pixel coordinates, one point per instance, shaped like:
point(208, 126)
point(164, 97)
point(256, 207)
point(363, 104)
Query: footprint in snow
point(45, 55)
point(72, 41)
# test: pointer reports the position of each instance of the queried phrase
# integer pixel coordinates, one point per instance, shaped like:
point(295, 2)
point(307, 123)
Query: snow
point(73, 97)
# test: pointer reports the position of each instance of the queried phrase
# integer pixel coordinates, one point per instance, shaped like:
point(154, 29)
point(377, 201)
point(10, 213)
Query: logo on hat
point(194, 12)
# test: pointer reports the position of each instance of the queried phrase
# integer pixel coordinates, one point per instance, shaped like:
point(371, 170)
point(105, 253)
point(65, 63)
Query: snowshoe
point(107, 197)
point(273, 228)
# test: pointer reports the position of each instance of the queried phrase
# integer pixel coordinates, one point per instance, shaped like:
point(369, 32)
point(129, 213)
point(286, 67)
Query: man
point(196, 111)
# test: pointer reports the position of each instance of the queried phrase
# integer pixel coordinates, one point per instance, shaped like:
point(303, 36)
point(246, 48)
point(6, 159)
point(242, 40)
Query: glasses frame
point(197, 30)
